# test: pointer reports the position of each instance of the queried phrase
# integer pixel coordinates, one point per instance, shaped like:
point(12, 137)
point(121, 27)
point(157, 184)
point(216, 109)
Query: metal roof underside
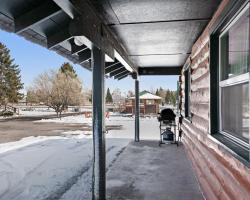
point(157, 33)
point(47, 24)
point(153, 34)
point(37, 33)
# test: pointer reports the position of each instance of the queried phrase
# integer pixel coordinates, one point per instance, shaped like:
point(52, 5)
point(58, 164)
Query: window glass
point(234, 79)
point(235, 110)
point(235, 48)
point(187, 93)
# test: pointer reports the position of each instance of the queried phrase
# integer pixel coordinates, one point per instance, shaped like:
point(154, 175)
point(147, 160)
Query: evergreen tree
point(157, 92)
point(162, 94)
point(90, 97)
point(173, 97)
point(167, 96)
point(10, 78)
point(67, 68)
point(109, 98)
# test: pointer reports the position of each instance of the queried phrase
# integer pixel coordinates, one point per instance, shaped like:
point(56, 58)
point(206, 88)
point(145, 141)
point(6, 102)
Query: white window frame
point(231, 81)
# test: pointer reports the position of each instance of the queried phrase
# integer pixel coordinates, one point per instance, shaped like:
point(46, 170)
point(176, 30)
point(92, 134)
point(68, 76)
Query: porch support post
point(98, 127)
point(137, 111)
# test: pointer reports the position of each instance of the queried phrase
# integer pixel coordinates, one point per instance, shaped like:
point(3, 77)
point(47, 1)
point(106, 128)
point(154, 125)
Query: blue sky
point(34, 59)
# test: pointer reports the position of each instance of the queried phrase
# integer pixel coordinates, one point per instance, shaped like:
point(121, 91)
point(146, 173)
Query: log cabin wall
point(220, 174)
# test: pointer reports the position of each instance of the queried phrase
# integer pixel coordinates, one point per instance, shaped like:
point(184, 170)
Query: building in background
point(149, 103)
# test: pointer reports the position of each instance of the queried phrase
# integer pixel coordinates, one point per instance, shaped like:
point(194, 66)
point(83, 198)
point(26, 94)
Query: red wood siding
point(144, 107)
point(220, 174)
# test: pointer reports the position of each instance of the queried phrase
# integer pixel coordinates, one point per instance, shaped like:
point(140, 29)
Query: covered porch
point(120, 39)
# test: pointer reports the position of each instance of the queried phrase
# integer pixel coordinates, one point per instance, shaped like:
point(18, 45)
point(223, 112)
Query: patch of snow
point(78, 119)
point(77, 134)
point(42, 170)
point(51, 168)
point(81, 119)
point(60, 167)
point(1, 117)
point(4, 147)
point(36, 112)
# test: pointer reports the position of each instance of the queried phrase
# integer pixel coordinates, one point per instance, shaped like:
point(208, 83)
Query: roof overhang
point(69, 28)
point(152, 37)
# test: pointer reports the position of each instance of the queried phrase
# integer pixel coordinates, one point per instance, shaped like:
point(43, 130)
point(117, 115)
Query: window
point(150, 102)
point(234, 79)
point(187, 93)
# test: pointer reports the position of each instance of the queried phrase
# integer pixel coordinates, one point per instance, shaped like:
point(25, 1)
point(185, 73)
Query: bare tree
point(31, 97)
point(130, 93)
point(117, 96)
point(58, 90)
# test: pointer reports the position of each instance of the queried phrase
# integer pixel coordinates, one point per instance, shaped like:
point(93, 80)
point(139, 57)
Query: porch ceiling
point(160, 32)
point(147, 34)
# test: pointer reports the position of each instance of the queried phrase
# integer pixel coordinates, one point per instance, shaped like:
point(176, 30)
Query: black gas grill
point(167, 127)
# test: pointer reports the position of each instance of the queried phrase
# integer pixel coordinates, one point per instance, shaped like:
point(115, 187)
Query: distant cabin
point(149, 103)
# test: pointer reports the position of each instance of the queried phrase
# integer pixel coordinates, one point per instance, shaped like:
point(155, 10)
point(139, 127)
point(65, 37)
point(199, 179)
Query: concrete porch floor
point(146, 171)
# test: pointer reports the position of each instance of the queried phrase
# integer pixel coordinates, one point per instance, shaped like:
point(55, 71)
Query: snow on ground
point(41, 111)
point(28, 113)
point(46, 111)
point(149, 126)
point(4, 147)
point(59, 167)
point(36, 112)
point(78, 119)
